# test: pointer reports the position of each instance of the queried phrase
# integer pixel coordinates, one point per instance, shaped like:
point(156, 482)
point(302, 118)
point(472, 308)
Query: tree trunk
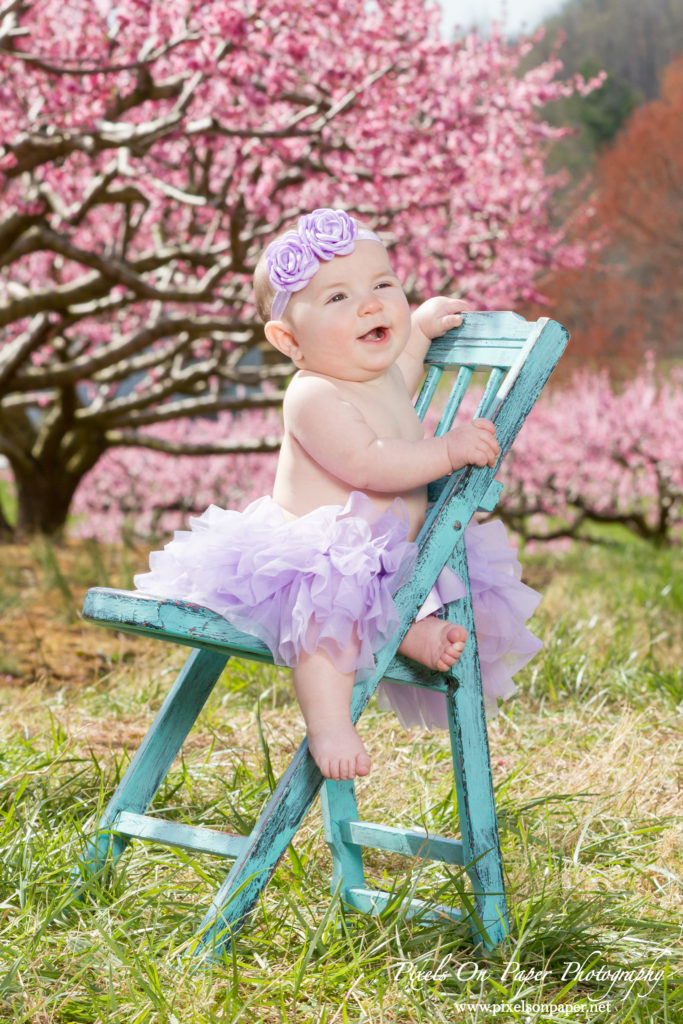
point(43, 499)
point(6, 531)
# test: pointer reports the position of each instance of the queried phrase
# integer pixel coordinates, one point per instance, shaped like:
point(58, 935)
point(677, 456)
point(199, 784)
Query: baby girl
point(313, 569)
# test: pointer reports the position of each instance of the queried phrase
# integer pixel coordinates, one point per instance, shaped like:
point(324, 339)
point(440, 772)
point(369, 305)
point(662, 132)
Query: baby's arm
point(430, 320)
point(334, 433)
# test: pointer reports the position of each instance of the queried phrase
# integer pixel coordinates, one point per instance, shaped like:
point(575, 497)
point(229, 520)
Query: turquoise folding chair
point(519, 357)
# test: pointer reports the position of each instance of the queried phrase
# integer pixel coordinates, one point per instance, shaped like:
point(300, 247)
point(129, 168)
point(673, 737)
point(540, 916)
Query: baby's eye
point(337, 297)
point(385, 284)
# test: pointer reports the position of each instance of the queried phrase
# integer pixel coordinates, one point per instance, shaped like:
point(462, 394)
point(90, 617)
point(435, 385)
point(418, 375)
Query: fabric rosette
point(329, 233)
point(291, 263)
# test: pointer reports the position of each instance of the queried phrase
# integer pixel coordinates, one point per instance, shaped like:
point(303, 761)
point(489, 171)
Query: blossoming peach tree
point(148, 151)
point(590, 454)
point(597, 454)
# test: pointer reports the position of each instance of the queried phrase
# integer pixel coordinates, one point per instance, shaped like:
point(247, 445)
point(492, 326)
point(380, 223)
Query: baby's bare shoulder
point(306, 383)
point(313, 402)
point(307, 389)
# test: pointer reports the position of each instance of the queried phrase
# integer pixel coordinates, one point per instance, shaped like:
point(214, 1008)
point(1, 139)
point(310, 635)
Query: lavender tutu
point(501, 604)
point(326, 581)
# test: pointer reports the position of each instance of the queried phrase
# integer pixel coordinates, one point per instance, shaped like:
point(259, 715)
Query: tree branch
point(203, 405)
point(155, 393)
point(31, 150)
point(134, 440)
point(145, 89)
point(80, 67)
point(14, 226)
point(107, 273)
point(16, 351)
point(28, 400)
point(87, 366)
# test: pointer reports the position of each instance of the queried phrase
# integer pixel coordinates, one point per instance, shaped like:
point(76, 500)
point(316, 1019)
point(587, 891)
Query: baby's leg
point(434, 642)
point(324, 695)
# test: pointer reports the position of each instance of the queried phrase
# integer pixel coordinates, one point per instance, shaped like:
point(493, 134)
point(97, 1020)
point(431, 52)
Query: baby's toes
point(327, 768)
point(457, 635)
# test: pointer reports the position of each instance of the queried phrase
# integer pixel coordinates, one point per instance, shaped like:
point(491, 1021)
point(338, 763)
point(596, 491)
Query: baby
point(313, 569)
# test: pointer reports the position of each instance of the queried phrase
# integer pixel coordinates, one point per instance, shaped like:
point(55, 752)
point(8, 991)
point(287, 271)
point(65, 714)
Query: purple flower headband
point(294, 259)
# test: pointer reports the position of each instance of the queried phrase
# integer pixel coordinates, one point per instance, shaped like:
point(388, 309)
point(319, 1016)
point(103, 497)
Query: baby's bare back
point(329, 426)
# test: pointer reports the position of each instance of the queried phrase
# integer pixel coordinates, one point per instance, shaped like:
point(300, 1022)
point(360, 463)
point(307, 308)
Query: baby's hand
point(438, 315)
point(473, 444)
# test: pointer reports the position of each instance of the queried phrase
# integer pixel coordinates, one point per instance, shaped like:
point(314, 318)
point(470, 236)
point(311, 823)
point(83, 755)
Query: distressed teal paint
point(173, 833)
point(409, 842)
point(339, 807)
point(374, 901)
point(458, 392)
point(521, 356)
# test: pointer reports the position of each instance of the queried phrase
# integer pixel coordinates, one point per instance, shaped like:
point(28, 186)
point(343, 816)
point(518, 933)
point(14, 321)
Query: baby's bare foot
point(434, 642)
point(338, 751)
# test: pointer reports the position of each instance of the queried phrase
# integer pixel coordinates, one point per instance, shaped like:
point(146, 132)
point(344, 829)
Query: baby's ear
point(281, 338)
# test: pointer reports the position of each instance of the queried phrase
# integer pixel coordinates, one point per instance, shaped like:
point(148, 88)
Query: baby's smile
point(376, 334)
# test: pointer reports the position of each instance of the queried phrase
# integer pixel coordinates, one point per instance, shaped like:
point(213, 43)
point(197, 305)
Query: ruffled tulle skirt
point(323, 581)
point(326, 581)
point(502, 604)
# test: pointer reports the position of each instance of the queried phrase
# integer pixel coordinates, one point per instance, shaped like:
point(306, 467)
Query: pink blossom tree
point(590, 453)
point(148, 151)
point(593, 453)
point(143, 493)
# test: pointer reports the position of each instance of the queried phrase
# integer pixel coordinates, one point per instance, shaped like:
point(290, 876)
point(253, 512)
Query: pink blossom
point(588, 452)
point(150, 152)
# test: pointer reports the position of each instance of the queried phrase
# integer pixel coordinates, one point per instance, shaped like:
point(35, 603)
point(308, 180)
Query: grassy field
point(588, 772)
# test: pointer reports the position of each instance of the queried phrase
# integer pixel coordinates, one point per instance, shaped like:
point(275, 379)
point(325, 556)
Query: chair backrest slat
point(483, 340)
point(488, 399)
point(428, 389)
point(500, 343)
point(462, 382)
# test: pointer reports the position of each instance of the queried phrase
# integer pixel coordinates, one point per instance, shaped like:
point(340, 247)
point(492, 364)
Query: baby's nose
point(370, 303)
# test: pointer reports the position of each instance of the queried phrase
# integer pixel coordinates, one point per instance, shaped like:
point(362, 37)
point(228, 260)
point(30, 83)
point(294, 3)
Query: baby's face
point(352, 320)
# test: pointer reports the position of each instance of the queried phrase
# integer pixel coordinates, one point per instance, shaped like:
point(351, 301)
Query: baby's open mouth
point(376, 334)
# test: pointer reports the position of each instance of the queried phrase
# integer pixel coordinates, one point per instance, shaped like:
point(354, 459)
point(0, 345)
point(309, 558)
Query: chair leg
point(477, 815)
point(339, 804)
point(476, 807)
point(272, 834)
point(263, 850)
point(474, 782)
point(473, 779)
point(156, 754)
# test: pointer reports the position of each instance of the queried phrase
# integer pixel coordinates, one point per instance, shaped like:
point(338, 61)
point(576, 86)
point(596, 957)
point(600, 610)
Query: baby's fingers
point(452, 315)
point(486, 425)
point(488, 451)
point(449, 321)
point(481, 455)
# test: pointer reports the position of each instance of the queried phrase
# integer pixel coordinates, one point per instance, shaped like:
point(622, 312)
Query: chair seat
point(193, 625)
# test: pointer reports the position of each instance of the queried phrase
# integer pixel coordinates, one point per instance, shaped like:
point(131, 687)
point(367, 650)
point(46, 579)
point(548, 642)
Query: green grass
point(8, 503)
point(587, 769)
